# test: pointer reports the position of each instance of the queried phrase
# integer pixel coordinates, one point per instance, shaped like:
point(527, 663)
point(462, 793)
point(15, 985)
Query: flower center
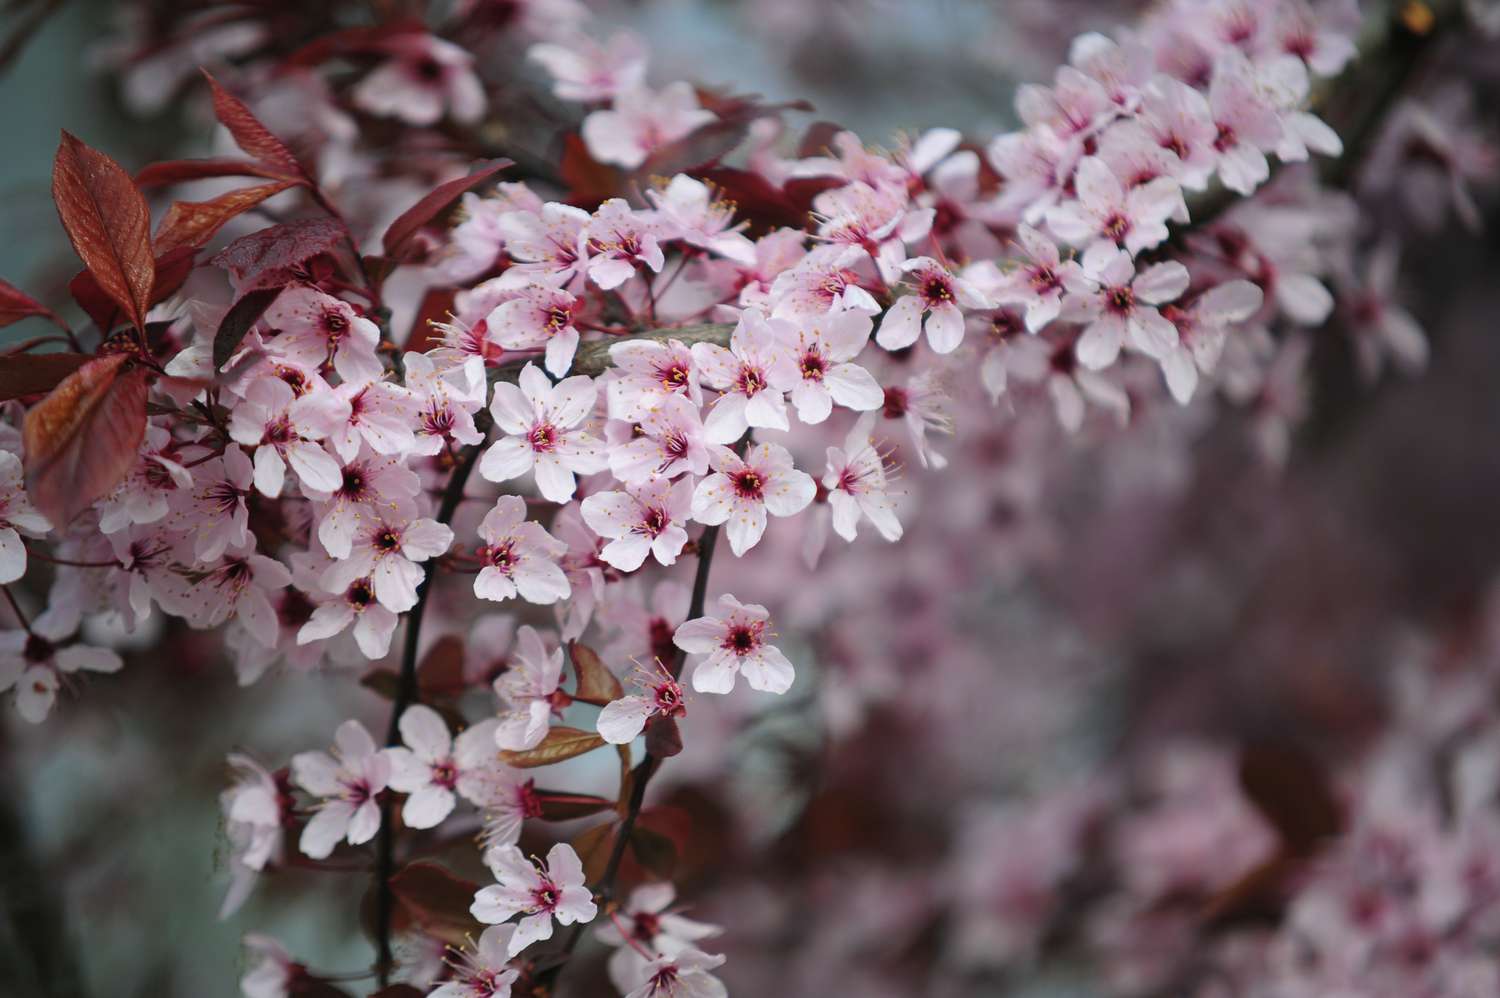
point(501, 555)
point(750, 381)
point(543, 437)
point(748, 484)
point(742, 639)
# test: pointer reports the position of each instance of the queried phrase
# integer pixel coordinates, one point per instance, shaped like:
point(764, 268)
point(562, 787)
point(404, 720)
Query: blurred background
point(1073, 626)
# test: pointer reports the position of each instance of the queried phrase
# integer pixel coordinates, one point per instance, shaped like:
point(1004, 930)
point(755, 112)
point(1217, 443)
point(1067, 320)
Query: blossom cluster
point(629, 364)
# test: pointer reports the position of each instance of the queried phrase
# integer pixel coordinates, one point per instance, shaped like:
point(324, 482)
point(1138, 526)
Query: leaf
point(237, 322)
point(435, 306)
point(561, 743)
point(1256, 897)
point(382, 682)
point(1291, 789)
point(589, 181)
point(568, 807)
point(172, 270)
point(398, 991)
point(81, 440)
point(34, 373)
point(193, 223)
point(654, 851)
point(16, 305)
point(107, 222)
point(176, 171)
point(764, 205)
point(663, 737)
point(441, 672)
point(593, 846)
point(252, 136)
point(596, 684)
point(272, 256)
point(414, 219)
point(436, 899)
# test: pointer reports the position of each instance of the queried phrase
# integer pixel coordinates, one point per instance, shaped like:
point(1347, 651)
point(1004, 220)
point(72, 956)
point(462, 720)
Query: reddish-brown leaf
point(108, 223)
point(97, 305)
point(589, 181)
point(424, 212)
point(81, 440)
point(1292, 789)
point(561, 743)
point(23, 374)
point(436, 899)
point(376, 38)
point(593, 846)
point(16, 305)
point(193, 223)
point(435, 306)
point(596, 684)
point(272, 256)
point(176, 171)
point(568, 807)
point(172, 270)
point(252, 136)
point(441, 672)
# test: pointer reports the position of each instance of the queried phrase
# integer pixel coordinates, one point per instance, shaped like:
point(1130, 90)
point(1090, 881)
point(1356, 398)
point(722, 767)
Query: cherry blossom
point(348, 781)
point(388, 550)
point(695, 214)
point(539, 316)
point(938, 295)
point(354, 605)
point(540, 892)
point(824, 351)
point(17, 517)
point(238, 585)
point(541, 423)
point(446, 401)
point(1201, 331)
point(483, 971)
point(858, 486)
point(1106, 214)
point(825, 280)
point(743, 490)
point(735, 643)
point(530, 692)
point(644, 519)
point(670, 440)
point(1119, 306)
point(313, 329)
point(424, 78)
point(214, 509)
point(645, 373)
point(648, 919)
point(622, 720)
point(34, 661)
point(371, 487)
point(684, 974)
point(753, 376)
point(643, 121)
point(432, 766)
point(547, 245)
point(284, 429)
point(255, 811)
point(619, 241)
point(380, 416)
point(145, 495)
point(585, 70)
point(519, 557)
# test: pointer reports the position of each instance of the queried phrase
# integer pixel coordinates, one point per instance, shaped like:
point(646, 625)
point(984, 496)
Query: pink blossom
point(735, 643)
point(214, 509)
point(684, 974)
point(389, 548)
point(938, 293)
point(1201, 330)
point(33, 662)
point(482, 972)
point(823, 352)
point(546, 245)
point(1106, 214)
point(255, 810)
point(620, 240)
point(530, 691)
point(643, 121)
point(649, 920)
point(646, 372)
point(446, 402)
point(348, 781)
point(622, 720)
point(1039, 283)
point(1119, 306)
point(694, 213)
point(644, 519)
point(313, 329)
point(541, 423)
point(236, 586)
point(380, 415)
point(539, 892)
point(424, 78)
point(824, 281)
point(743, 490)
point(923, 405)
point(519, 557)
point(539, 316)
point(432, 766)
point(858, 486)
point(586, 71)
point(668, 441)
point(1247, 122)
point(284, 429)
point(752, 376)
point(355, 605)
point(17, 517)
point(145, 494)
point(371, 487)
point(1178, 118)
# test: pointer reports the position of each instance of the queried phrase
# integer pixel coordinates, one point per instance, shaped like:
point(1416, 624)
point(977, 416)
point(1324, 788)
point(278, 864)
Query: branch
point(406, 693)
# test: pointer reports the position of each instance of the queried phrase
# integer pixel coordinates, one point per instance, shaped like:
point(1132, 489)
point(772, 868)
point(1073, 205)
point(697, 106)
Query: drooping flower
point(541, 423)
point(33, 662)
point(530, 692)
point(539, 892)
point(622, 720)
point(1201, 329)
point(348, 781)
point(648, 920)
point(743, 490)
point(255, 811)
point(735, 643)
